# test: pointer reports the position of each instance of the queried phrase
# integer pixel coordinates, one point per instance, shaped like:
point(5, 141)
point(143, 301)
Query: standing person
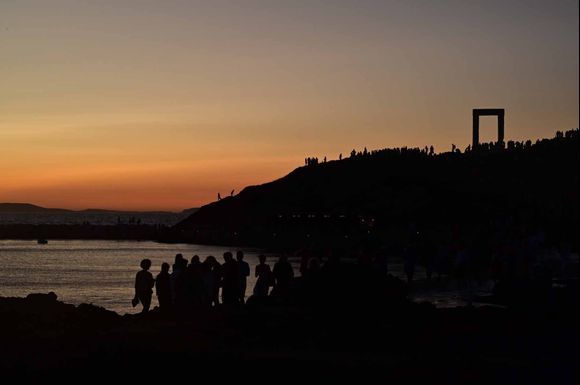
point(195, 262)
point(265, 278)
point(177, 283)
point(283, 275)
point(216, 270)
point(193, 283)
point(244, 270)
point(163, 288)
point(230, 280)
point(207, 280)
point(144, 286)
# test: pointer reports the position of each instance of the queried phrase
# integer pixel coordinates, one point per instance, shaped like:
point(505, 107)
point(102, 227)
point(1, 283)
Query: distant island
point(28, 208)
point(29, 221)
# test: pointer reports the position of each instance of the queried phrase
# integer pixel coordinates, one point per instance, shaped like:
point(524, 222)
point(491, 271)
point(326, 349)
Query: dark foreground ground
point(537, 343)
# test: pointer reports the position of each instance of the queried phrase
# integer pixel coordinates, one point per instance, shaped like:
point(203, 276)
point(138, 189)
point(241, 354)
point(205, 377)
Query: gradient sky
point(161, 104)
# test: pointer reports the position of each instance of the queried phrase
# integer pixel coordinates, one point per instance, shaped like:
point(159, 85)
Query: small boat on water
point(41, 241)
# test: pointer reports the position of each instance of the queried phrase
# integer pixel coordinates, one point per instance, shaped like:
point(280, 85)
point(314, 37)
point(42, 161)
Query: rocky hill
point(396, 188)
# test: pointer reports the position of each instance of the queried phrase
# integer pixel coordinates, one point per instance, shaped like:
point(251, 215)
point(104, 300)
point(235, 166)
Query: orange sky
point(160, 105)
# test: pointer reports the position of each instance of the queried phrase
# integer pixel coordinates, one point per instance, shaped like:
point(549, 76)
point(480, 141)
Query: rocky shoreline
point(401, 342)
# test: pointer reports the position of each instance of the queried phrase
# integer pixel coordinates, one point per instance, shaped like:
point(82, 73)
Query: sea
point(102, 272)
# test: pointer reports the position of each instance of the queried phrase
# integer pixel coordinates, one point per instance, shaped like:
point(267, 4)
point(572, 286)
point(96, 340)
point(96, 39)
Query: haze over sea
point(103, 272)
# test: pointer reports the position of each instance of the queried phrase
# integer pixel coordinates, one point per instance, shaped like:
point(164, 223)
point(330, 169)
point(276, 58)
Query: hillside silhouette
point(390, 191)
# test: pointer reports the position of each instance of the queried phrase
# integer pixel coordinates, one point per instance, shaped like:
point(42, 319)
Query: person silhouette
point(177, 282)
point(264, 277)
point(283, 275)
point(230, 280)
point(207, 281)
point(195, 262)
point(216, 270)
point(143, 286)
point(210, 272)
point(232, 193)
point(163, 288)
point(219, 197)
point(193, 283)
point(244, 270)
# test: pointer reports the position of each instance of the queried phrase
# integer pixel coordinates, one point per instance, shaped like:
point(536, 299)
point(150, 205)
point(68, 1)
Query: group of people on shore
point(193, 284)
point(507, 253)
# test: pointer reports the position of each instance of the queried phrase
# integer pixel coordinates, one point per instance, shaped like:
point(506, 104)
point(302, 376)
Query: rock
point(42, 298)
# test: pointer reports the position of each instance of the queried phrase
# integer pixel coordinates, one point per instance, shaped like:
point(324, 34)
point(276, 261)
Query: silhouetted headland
point(375, 197)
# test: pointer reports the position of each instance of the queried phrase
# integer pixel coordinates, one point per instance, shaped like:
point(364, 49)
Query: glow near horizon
point(160, 105)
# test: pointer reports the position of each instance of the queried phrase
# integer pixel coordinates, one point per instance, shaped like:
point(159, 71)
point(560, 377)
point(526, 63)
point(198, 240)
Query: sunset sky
point(162, 104)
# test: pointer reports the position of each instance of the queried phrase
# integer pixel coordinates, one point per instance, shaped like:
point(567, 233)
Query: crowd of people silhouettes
point(196, 284)
point(511, 256)
point(511, 247)
point(430, 150)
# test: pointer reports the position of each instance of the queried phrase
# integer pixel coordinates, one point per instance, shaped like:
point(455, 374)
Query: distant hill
point(25, 213)
point(190, 211)
point(105, 211)
point(393, 188)
point(27, 208)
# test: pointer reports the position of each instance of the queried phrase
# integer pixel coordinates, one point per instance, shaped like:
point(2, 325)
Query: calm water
point(98, 272)
point(103, 272)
